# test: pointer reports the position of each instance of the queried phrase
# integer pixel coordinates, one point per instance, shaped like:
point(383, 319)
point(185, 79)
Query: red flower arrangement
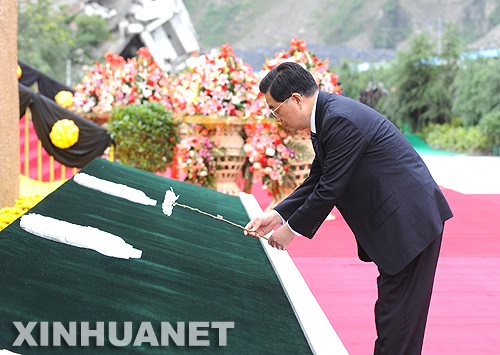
point(198, 156)
point(121, 82)
point(271, 151)
point(221, 85)
point(298, 52)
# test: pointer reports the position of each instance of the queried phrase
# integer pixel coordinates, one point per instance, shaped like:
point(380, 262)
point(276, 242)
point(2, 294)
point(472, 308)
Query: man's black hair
point(287, 78)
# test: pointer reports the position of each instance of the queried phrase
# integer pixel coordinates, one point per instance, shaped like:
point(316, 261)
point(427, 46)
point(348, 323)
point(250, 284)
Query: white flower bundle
point(114, 189)
point(78, 236)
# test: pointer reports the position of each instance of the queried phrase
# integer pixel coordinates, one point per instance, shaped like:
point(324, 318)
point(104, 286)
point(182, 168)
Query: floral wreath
point(271, 151)
point(298, 52)
point(221, 85)
point(121, 82)
point(197, 156)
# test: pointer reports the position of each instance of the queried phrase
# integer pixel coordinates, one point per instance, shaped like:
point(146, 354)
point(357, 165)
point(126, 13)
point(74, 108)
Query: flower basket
point(299, 171)
point(99, 118)
point(298, 52)
point(229, 169)
point(295, 170)
point(215, 96)
point(229, 165)
point(119, 82)
point(225, 133)
point(277, 158)
point(221, 85)
point(299, 168)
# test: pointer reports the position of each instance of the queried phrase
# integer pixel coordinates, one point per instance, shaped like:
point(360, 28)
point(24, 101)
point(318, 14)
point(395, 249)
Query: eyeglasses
point(273, 112)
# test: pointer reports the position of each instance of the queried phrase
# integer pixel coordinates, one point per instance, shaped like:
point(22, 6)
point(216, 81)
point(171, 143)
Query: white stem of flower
point(219, 218)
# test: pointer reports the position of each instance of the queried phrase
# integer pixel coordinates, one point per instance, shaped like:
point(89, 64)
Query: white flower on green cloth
point(169, 202)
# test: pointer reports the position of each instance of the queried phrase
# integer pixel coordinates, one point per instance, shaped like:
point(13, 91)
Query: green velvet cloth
point(193, 269)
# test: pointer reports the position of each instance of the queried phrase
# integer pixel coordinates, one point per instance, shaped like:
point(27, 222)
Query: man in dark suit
point(367, 169)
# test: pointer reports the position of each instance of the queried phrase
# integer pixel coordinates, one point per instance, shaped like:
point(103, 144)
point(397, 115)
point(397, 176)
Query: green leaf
point(144, 133)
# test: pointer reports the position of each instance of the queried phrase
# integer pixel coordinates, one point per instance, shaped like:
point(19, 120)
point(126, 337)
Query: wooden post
point(9, 106)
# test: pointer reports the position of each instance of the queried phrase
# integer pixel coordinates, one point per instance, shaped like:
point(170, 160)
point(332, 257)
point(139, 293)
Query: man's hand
point(281, 237)
point(263, 224)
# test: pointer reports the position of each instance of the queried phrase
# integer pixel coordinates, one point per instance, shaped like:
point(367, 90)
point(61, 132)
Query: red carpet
point(464, 317)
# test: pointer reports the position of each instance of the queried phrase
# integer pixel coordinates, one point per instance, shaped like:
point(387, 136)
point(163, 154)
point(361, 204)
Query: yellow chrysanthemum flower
point(64, 99)
point(64, 133)
point(31, 192)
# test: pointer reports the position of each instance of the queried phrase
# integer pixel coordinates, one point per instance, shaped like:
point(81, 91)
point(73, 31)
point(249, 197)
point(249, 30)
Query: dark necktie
point(314, 142)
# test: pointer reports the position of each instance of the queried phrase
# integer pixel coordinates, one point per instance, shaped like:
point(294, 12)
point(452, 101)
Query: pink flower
point(298, 53)
point(275, 175)
point(131, 81)
point(280, 148)
point(215, 82)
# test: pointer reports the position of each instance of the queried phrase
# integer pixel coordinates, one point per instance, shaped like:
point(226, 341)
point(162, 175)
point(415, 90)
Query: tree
point(422, 79)
point(393, 27)
point(351, 79)
point(44, 40)
point(411, 75)
point(87, 34)
point(440, 88)
point(47, 38)
point(477, 89)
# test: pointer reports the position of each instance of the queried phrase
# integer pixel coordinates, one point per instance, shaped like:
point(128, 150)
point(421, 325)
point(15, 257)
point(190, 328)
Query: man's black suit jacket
point(367, 168)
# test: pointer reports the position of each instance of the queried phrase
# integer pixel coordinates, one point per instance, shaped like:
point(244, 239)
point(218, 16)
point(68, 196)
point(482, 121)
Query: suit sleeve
point(343, 145)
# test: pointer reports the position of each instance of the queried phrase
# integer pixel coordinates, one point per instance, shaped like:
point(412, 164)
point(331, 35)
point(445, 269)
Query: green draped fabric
point(193, 269)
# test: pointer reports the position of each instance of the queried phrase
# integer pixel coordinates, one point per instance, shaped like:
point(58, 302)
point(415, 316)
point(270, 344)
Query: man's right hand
point(263, 224)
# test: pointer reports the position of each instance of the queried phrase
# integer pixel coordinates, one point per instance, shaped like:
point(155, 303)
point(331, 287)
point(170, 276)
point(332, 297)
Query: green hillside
point(357, 23)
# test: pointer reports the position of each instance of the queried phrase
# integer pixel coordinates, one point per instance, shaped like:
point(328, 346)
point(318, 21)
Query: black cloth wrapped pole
point(93, 139)
point(46, 85)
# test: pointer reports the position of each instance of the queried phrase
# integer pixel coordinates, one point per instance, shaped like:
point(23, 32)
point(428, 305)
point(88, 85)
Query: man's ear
point(299, 99)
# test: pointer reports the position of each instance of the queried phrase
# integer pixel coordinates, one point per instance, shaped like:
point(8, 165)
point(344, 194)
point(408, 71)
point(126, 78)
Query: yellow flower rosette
point(64, 133)
point(64, 99)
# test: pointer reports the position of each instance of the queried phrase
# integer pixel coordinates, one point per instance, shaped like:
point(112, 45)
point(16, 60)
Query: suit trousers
point(403, 304)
